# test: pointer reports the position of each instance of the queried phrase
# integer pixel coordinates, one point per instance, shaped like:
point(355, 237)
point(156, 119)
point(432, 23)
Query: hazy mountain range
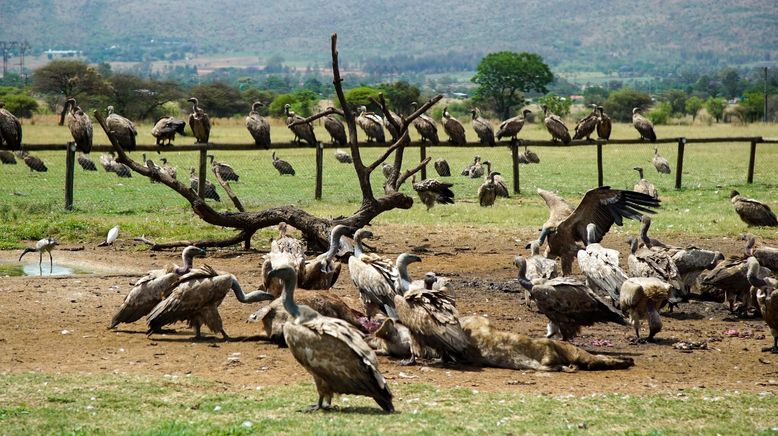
point(570, 35)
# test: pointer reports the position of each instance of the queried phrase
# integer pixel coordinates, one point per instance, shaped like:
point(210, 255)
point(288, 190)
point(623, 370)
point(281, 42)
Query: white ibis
point(111, 237)
point(44, 245)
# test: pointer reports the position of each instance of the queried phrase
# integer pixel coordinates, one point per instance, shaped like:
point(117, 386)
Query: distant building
point(51, 54)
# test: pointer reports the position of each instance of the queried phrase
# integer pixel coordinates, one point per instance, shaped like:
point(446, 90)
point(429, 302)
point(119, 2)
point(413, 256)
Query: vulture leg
point(552, 329)
point(251, 297)
point(40, 258)
point(196, 325)
point(51, 262)
point(634, 318)
point(654, 321)
point(567, 263)
point(409, 361)
point(320, 405)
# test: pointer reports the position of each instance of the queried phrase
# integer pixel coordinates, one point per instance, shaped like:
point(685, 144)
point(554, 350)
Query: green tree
point(620, 103)
point(140, 99)
point(218, 99)
point(693, 106)
point(677, 101)
point(753, 105)
point(314, 85)
point(400, 95)
point(306, 101)
point(661, 113)
point(20, 104)
point(250, 95)
point(595, 95)
point(715, 107)
point(504, 77)
point(359, 97)
point(276, 108)
point(556, 104)
point(731, 84)
point(69, 78)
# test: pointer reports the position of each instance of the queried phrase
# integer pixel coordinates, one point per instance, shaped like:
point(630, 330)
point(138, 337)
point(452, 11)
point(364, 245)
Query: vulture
point(766, 298)
point(660, 163)
point(33, 162)
point(168, 169)
point(643, 126)
point(432, 318)
point(343, 157)
point(502, 187)
point(642, 297)
point(336, 129)
point(487, 192)
point(476, 169)
point(644, 186)
point(387, 170)
point(196, 299)
point(303, 131)
point(7, 157)
point(390, 127)
point(767, 256)
point(511, 127)
point(555, 126)
point(210, 189)
point(86, 163)
point(603, 124)
point(600, 265)
point(538, 267)
point(199, 122)
point(331, 350)
point(122, 128)
point(166, 128)
point(374, 277)
point(283, 250)
point(602, 206)
point(442, 168)
point(372, 124)
point(567, 303)
point(282, 166)
point(426, 126)
point(453, 128)
point(258, 126)
point(753, 212)
point(529, 156)
point(466, 171)
point(108, 161)
point(79, 125)
point(10, 129)
point(656, 262)
point(585, 127)
point(154, 287)
point(433, 191)
point(45, 245)
point(730, 276)
point(483, 128)
point(152, 166)
point(223, 170)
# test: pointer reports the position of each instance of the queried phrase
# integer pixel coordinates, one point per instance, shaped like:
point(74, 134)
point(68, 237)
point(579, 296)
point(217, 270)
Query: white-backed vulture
point(660, 163)
point(602, 206)
point(642, 297)
point(539, 268)
point(644, 185)
point(225, 171)
point(372, 125)
point(511, 127)
point(586, 125)
point(442, 168)
point(487, 192)
point(432, 318)
point(600, 265)
point(302, 132)
point(331, 350)
point(85, 162)
point(152, 288)
point(729, 278)
point(196, 299)
point(426, 126)
point(168, 169)
point(483, 128)
point(767, 256)
point(453, 128)
point(123, 129)
point(258, 126)
point(199, 122)
point(469, 167)
point(656, 262)
point(555, 126)
point(210, 189)
point(502, 187)
point(476, 169)
point(282, 166)
point(529, 156)
point(433, 191)
point(45, 245)
point(387, 170)
point(567, 303)
point(10, 129)
point(33, 162)
point(603, 124)
point(337, 131)
point(374, 277)
point(767, 299)
point(643, 126)
point(753, 212)
point(7, 157)
point(109, 163)
point(343, 157)
point(390, 127)
point(166, 128)
point(80, 126)
point(393, 339)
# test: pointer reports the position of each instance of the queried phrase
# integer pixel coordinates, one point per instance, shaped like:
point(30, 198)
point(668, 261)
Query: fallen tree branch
point(203, 243)
point(228, 190)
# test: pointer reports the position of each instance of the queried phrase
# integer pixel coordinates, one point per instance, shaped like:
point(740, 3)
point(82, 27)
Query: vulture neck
point(405, 278)
point(644, 233)
point(640, 172)
point(359, 251)
point(522, 277)
point(334, 244)
point(753, 274)
point(591, 234)
point(187, 258)
point(287, 296)
point(633, 245)
point(543, 234)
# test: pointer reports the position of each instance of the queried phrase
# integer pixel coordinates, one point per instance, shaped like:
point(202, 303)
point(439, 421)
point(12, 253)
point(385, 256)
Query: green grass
point(31, 205)
point(113, 404)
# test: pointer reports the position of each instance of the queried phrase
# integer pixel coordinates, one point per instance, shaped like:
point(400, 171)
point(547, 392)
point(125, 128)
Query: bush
point(457, 109)
point(556, 104)
point(359, 97)
point(661, 113)
point(22, 106)
point(620, 103)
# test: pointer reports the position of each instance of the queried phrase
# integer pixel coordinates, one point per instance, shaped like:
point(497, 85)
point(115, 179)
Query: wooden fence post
point(679, 162)
point(203, 172)
point(319, 170)
point(422, 156)
point(70, 163)
point(751, 162)
point(599, 163)
point(515, 158)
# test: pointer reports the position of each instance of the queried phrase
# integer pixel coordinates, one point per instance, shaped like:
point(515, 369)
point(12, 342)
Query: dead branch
point(412, 171)
point(396, 146)
point(228, 190)
point(324, 113)
point(203, 243)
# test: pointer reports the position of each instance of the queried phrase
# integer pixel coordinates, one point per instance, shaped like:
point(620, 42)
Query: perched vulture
point(199, 122)
point(511, 127)
point(643, 126)
point(122, 129)
point(258, 126)
point(555, 126)
point(10, 129)
point(585, 127)
point(483, 128)
point(453, 128)
point(753, 212)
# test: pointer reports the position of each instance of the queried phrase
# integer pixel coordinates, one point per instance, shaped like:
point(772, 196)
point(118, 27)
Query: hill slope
point(574, 34)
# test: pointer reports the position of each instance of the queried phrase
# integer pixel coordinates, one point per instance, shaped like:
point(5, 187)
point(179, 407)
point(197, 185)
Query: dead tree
point(315, 229)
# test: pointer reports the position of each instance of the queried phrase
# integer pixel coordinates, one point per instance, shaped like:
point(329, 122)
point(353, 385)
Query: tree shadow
point(683, 315)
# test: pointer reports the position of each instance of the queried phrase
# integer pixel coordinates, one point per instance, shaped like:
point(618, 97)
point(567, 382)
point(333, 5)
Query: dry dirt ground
point(58, 325)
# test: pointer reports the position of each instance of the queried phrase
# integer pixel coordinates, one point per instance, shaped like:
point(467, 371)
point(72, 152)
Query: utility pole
point(23, 47)
point(765, 94)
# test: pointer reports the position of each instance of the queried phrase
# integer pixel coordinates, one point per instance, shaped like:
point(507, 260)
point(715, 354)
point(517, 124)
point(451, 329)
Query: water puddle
point(16, 269)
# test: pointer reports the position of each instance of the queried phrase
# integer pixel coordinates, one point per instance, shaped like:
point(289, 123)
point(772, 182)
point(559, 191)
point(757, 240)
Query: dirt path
point(59, 325)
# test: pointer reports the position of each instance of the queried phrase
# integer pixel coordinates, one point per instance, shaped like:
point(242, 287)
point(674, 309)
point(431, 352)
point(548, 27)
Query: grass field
point(32, 202)
point(111, 404)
